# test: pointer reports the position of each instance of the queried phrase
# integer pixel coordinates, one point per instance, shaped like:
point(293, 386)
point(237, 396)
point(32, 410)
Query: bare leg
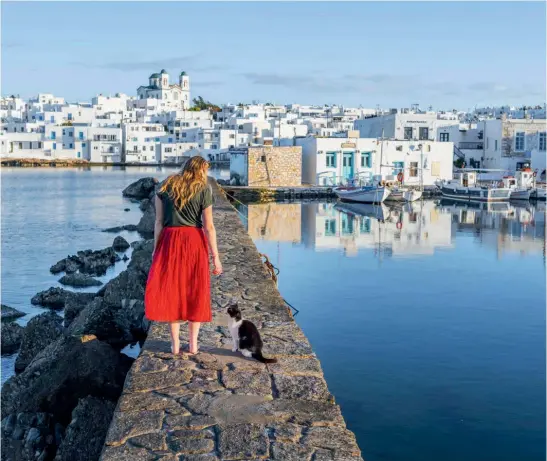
point(193, 328)
point(174, 328)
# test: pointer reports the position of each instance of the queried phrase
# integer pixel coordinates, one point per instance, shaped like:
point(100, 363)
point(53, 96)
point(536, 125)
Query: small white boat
point(520, 194)
point(518, 190)
point(464, 187)
point(363, 194)
point(539, 192)
point(404, 195)
point(379, 212)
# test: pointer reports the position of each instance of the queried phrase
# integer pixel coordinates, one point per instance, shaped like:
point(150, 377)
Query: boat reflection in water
point(398, 230)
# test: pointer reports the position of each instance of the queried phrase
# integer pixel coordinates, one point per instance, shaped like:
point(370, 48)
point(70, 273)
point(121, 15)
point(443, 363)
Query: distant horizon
point(448, 55)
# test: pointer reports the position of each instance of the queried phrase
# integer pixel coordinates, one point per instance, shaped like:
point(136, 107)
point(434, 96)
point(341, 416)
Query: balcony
point(471, 145)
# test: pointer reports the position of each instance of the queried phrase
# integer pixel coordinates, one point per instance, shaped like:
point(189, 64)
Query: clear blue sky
point(448, 55)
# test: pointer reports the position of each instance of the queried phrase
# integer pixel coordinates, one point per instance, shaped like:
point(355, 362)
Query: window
point(519, 141)
point(330, 227)
point(213, 146)
point(83, 144)
point(232, 136)
point(331, 159)
point(20, 145)
point(398, 167)
point(183, 135)
point(52, 119)
point(408, 132)
point(444, 137)
point(70, 116)
point(81, 135)
point(413, 169)
point(70, 146)
point(543, 141)
point(495, 144)
point(78, 155)
point(54, 146)
point(53, 134)
point(170, 139)
point(366, 161)
point(168, 149)
point(424, 133)
point(64, 132)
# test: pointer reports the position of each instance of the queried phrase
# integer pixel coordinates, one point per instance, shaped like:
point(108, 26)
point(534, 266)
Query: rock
point(125, 258)
point(84, 437)
point(9, 313)
point(141, 188)
point(127, 227)
point(29, 437)
point(75, 303)
point(126, 209)
point(141, 259)
point(11, 337)
point(67, 370)
point(53, 298)
point(145, 203)
point(145, 227)
point(120, 244)
point(79, 280)
point(87, 262)
point(39, 333)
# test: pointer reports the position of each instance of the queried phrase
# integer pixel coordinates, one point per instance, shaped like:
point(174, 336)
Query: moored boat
point(404, 195)
point(539, 192)
point(465, 187)
point(363, 194)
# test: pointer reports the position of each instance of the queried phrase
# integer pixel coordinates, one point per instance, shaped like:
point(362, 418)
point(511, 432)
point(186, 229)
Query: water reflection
point(411, 229)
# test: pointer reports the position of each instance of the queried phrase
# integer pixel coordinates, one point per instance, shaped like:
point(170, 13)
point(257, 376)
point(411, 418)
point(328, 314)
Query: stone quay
point(218, 405)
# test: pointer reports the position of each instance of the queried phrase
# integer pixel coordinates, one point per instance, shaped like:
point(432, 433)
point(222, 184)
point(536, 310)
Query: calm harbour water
point(429, 319)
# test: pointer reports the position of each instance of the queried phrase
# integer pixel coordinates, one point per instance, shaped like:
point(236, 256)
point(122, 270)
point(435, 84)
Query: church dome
point(163, 71)
point(182, 74)
point(155, 76)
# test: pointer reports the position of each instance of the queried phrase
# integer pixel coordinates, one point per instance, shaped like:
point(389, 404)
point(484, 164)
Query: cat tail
point(258, 356)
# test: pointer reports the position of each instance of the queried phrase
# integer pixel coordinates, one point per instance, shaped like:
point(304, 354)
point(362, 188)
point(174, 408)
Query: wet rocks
point(120, 244)
point(11, 337)
point(53, 298)
point(87, 262)
point(127, 227)
point(38, 334)
point(140, 189)
point(84, 437)
point(145, 227)
point(56, 298)
point(9, 313)
point(78, 280)
point(30, 436)
point(68, 369)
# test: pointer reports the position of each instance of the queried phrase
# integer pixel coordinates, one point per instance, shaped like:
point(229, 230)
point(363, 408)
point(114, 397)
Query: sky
point(392, 54)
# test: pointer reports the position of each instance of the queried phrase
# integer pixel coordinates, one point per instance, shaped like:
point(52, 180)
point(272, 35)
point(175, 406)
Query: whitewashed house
point(330, 161)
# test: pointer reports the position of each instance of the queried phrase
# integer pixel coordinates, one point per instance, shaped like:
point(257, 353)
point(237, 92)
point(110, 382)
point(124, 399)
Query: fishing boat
point(539, 192)
point(363, 194)
point(401, 194)
point(465, 187)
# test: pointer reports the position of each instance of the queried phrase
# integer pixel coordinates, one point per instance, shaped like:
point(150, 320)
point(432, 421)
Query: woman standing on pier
point(178, 287)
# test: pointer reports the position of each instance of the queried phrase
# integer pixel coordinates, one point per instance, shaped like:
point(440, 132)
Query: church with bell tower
point(174, 95)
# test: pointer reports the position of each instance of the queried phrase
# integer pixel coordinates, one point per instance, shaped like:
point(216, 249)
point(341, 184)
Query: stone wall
point(275, 166)
point(217, 405)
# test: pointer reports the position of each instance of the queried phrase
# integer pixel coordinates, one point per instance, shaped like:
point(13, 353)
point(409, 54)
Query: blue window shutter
point(54, 146)
point(78, 155)
point(83, 144)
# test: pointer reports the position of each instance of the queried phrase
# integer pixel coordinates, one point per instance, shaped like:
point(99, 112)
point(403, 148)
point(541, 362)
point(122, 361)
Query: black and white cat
point(245, 335)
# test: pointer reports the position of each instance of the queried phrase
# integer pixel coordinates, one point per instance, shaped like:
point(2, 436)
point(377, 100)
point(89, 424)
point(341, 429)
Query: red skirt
point(178, 286)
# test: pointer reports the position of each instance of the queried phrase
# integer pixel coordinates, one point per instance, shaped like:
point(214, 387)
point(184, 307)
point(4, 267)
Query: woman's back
point(189, 215)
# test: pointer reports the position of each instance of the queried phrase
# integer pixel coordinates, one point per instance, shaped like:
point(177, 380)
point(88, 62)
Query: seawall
point(218, 405)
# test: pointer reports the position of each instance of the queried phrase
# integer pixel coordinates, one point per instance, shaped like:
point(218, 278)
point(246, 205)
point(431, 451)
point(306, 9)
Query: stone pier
point(218, 405)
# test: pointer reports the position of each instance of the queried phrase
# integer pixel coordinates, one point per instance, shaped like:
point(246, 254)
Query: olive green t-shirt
point(190, 214)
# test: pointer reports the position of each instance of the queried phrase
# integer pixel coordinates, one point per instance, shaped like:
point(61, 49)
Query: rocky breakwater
point(270, 194)
point(70, 370)
point(217, 405)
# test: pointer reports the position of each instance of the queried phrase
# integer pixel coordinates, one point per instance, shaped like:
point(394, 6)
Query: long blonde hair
point(192, 179)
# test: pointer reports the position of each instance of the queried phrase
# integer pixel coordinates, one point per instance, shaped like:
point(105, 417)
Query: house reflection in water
point(413, 229)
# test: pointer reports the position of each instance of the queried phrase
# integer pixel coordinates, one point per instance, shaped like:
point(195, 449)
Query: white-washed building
point(329, 161)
